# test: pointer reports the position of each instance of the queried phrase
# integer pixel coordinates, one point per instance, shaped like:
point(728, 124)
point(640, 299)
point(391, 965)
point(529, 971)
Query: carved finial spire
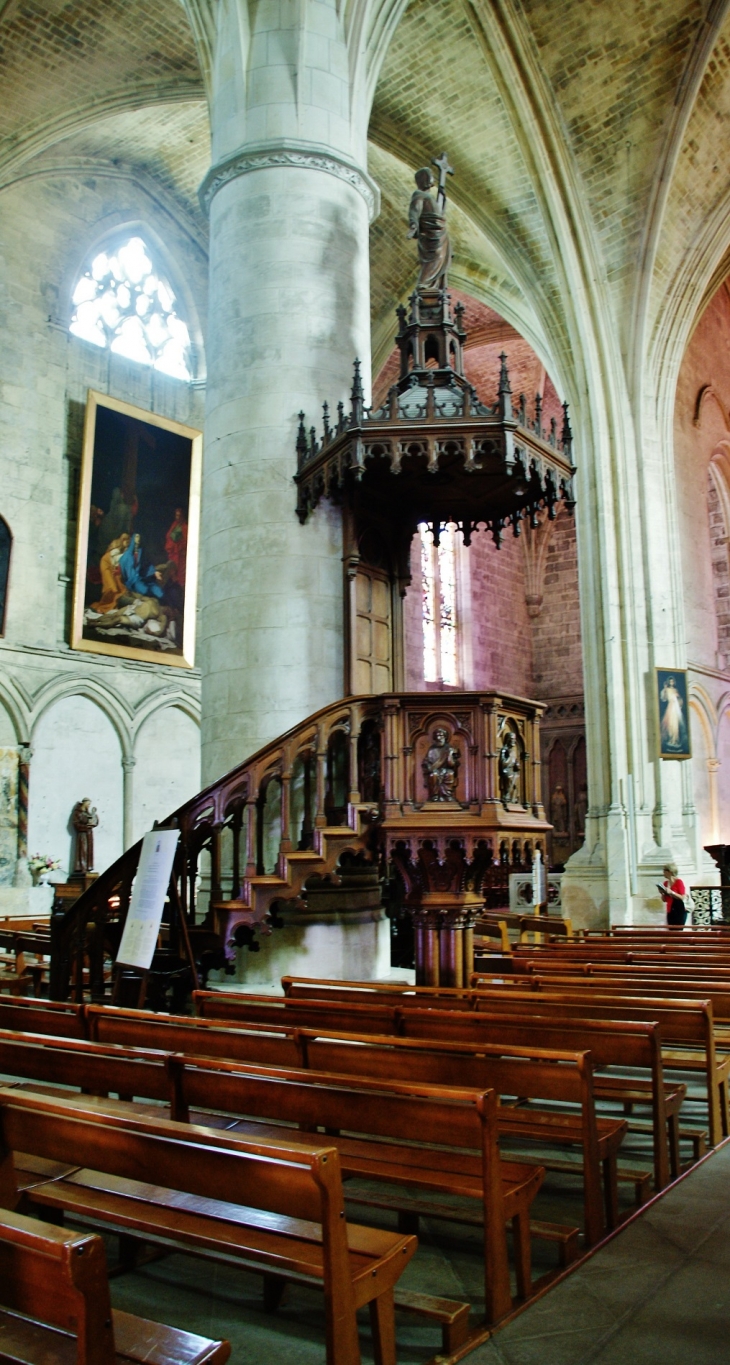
point(301, 442)
point(356, 397)
point(538, 414)
point(566, 435)
point(505, 390)
point(326, 422)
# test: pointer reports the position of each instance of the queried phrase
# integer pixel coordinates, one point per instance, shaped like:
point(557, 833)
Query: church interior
point(365, 687)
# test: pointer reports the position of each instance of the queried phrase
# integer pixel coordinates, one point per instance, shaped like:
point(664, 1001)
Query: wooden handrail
point(362, 763)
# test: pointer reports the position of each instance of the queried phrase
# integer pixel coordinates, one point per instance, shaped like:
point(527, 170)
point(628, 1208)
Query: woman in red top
point(674, 887)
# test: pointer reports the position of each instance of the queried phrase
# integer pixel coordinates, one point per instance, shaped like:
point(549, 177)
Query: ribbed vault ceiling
point(581, 131)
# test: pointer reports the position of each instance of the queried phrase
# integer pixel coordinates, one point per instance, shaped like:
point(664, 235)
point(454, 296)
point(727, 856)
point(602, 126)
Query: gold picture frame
point(136, 577)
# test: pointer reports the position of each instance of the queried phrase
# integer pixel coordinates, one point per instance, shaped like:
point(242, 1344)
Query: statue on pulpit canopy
point(427, 222)
point(509, 768)
point(84, 820)
point(441, 767)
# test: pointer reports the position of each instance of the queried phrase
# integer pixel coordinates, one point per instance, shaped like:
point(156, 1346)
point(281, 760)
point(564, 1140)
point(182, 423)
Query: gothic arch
point(18, 706)
point(701, 703)
point(161, 701)
point(708, 393)
point(106, 698)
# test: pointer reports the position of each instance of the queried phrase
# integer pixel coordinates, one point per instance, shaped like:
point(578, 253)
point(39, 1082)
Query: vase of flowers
point(40, 865)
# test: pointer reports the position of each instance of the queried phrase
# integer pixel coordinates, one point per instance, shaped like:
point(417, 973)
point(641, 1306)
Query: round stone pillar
point(290, 202)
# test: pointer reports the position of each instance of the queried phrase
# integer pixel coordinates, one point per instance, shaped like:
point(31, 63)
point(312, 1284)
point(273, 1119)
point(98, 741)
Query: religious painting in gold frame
point(135, 584)
point(672, 699)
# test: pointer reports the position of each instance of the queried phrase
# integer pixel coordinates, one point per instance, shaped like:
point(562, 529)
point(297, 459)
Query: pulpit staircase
point(345, 787)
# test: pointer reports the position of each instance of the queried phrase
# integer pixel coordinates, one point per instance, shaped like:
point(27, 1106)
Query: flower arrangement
point(40, 864)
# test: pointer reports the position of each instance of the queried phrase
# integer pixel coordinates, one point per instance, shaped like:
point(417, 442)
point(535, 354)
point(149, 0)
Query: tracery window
point(124, 302)
point(439, 608)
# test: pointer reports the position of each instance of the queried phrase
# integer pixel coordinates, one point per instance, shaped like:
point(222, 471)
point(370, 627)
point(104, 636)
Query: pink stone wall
point(700, 428)
point(556, 638)
point(501, 629)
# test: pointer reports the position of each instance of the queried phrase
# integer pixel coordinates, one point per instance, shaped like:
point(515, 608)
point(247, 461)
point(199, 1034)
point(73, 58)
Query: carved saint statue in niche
point(559, 810)
point(427, 222)
point(441, 767)
point(509, 768)
point(581, 810)
point(84, 820)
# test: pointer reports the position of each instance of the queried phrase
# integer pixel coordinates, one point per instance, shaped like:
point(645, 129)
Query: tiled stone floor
point(657, 1293)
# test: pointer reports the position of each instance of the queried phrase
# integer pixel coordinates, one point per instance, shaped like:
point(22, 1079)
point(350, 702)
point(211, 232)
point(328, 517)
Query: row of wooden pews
point(408, 1091)
point(105, 1188)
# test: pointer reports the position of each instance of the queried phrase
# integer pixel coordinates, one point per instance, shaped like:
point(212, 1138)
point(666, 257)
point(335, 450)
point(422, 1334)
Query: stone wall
point(701, 445)
point(123, 733)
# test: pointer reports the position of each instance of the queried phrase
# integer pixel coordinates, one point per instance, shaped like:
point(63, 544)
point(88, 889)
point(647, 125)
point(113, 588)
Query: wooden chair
point(54, 1296)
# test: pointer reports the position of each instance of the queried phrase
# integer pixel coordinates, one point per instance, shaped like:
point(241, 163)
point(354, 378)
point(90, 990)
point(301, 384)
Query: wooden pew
point(271, 1206)
point(464, 1065)
point(612, 1043)
point(546, 925)
point(54, 1294)
point(462, 1122)
point(59, 1018)
point(688, 1036)
point(689, 1040)
point(626, 1045)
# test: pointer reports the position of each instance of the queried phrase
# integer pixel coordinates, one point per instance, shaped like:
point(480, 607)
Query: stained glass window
point(439, 616)
point(122, 301)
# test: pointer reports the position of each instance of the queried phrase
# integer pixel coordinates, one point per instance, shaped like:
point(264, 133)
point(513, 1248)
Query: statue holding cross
point(427, 222)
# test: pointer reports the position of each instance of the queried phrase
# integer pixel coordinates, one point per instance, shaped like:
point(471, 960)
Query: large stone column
point(290, 202)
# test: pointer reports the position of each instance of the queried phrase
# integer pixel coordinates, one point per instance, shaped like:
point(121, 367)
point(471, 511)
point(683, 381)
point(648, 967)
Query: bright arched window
point(123, 301)
point(438, 606)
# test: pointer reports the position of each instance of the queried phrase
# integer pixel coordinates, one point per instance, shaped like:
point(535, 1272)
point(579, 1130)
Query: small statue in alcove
point(559, 810)
point(509, 768)
point(84, 820)
point(441, 767)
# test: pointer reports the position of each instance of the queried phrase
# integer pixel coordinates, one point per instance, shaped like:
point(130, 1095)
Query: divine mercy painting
point(673, 703)
point(137, 551)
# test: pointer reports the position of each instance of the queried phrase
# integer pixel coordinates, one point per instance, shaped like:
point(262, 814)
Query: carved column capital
point(283, 152)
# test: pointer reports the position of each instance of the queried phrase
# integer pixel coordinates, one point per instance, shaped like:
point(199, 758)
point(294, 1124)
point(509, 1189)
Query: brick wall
point(501, 627)
point(557, 648)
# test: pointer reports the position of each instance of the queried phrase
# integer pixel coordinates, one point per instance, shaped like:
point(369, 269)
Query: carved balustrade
point(419, 780)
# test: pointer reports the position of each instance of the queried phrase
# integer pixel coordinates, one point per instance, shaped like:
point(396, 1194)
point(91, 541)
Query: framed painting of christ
point(673, 713)
point(135, 585)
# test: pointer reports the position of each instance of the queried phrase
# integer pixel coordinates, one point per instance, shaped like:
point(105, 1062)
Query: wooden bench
point(688, 1036)
point(689, 1040)
point(274, 1207)
point(637, 1047)
point(544, 925)
point(392, 1058)
point(455, 1120)
point(59, 1018)
point(612, 1043)
point(55, 1306)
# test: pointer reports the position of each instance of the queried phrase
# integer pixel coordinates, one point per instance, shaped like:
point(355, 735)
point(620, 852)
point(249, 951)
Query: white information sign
point(144, 916)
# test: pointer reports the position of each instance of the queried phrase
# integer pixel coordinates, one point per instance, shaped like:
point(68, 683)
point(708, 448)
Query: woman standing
point(674, 893)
